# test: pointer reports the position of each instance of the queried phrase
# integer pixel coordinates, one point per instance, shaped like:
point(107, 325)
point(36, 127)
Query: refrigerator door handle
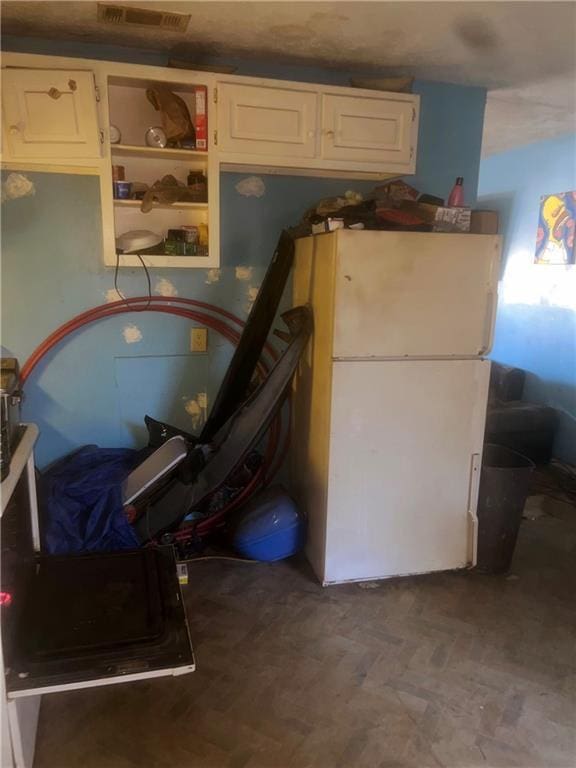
point(473, 487)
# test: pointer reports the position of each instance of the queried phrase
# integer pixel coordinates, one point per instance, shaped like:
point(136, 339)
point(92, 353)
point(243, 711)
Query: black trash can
point(504, 485)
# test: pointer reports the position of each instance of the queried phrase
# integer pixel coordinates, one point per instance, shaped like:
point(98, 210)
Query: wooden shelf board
point(159, 153)
point(166, 206)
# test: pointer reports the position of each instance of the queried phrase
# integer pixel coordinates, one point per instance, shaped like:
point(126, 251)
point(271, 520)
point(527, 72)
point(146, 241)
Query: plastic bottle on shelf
point(456, 197)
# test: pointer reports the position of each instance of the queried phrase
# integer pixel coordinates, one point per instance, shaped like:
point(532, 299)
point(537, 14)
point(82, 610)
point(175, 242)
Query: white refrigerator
point(390, 399)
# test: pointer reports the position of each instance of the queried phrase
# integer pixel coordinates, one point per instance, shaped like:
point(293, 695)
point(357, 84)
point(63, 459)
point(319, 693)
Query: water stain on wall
point(165, 288)
point(251, 294)
point(212, 276)
point(132, 334)
point(197, 408)
point(243, 273)
point(17, 185)
point(111, 295)
point(251, 186)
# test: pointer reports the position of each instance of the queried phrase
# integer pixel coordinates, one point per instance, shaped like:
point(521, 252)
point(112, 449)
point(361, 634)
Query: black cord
point(145, 268)
point(119, 292)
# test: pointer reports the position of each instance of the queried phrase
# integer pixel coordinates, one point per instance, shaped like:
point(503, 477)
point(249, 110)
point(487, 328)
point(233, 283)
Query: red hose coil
point(138, 304)
point(170, 306)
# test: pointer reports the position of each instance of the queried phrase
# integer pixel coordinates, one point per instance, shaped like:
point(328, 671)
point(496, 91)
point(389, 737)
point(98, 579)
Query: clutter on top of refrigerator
point(395, 205)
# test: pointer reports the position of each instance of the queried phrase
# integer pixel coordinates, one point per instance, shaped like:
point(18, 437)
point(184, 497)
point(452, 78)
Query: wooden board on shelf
point(160, 153)
point(146, 170)
point(168, 206)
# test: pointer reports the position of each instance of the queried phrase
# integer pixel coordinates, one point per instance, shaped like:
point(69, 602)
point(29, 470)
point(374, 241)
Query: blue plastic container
point(270, 527)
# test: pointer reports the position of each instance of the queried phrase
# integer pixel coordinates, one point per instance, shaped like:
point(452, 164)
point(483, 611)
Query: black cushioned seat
point(528, 428)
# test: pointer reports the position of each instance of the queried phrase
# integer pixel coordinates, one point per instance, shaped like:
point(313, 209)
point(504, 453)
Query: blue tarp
point(81, 499)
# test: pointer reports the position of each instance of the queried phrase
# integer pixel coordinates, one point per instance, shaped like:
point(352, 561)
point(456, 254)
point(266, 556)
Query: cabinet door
point(279, 123)
point(377, 130)
point(50, 114)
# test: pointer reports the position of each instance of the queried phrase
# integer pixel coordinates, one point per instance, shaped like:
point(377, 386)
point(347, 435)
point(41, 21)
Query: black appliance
point(74, 621)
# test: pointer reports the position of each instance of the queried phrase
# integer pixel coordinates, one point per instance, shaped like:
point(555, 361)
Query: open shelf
point(132, 112)
point(168, 206)
point(161, 153)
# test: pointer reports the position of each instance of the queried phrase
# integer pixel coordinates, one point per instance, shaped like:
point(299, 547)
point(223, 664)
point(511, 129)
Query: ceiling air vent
point(122, 15)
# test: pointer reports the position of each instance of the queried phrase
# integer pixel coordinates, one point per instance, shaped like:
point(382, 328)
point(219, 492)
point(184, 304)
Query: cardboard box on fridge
point(440, 218)
point(484, 223)
point(327, 225)
point(452, 220)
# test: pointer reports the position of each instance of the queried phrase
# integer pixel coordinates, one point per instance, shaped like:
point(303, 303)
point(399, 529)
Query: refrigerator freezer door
point(414, 294)
point(406, 442)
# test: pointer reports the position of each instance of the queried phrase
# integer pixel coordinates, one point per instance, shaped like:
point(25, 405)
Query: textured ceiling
point(523, 52)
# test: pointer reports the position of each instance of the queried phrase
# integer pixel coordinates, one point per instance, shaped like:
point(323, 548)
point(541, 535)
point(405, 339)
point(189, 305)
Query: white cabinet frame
point(304, 151)
point(102, 71)
point(365, 160)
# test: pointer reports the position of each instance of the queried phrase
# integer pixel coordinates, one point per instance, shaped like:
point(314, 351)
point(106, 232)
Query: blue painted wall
point(536, 320)
point(96, 387)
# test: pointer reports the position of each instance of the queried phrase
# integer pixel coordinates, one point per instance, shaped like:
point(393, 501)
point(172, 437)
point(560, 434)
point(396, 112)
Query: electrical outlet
point(199, 339)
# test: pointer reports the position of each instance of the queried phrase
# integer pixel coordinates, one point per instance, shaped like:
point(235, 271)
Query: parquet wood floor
point(455, 670)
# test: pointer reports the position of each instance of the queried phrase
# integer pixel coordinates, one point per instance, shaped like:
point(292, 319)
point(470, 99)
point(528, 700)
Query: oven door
point(95, 619)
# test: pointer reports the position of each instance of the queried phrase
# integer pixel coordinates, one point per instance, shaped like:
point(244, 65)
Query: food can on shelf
point(122, 190)
point(191, 234)
point(118, 173)
point(174, 248)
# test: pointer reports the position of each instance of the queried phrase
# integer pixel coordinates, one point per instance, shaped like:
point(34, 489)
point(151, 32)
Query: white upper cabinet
point(49, 115)
point(373, 130)
point(299, 126)
point(57, 113)
point(266, 122)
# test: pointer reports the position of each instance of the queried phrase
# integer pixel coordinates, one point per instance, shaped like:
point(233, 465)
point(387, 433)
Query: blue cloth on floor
point(81, 497)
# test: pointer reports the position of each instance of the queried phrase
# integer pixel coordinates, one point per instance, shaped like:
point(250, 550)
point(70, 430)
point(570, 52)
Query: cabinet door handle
point(54, 93)
point(14, 129)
